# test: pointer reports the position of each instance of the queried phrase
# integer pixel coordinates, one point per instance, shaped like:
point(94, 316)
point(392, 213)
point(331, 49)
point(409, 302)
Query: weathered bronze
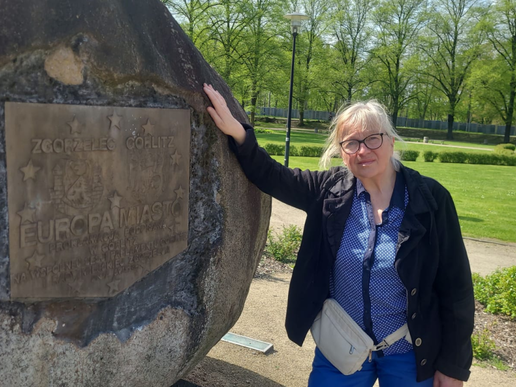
point(98, 196)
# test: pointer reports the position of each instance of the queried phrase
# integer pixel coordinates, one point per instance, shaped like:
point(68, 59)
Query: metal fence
point(309, 114)
point(402, 121)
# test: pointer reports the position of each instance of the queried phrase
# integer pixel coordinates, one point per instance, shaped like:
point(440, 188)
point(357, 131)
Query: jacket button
point(423, 362)
point(418, 342)
point(413, 292)
point(413, 316)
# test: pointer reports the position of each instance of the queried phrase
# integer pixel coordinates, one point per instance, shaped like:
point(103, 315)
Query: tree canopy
point(451, 60)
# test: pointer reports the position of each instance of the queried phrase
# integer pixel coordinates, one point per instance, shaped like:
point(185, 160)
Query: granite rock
point(128, 53)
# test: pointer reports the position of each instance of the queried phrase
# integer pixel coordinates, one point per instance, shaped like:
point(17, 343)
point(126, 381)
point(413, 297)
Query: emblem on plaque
point(98, 196)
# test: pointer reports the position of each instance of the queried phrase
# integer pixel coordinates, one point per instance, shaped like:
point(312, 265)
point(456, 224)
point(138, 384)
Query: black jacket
point(431, 259)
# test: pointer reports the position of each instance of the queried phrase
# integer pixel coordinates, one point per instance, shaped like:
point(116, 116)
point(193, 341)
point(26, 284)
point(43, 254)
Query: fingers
point(215, 97)
point(214, 116)
point(222, 116)
point(220, 111)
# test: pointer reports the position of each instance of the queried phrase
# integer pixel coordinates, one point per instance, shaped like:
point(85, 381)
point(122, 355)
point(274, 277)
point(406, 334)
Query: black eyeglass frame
point(362, 142)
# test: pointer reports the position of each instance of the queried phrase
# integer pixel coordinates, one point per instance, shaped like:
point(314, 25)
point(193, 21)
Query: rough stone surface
point(128, 53)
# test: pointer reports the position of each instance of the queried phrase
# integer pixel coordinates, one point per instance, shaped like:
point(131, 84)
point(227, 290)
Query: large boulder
point(103, 280)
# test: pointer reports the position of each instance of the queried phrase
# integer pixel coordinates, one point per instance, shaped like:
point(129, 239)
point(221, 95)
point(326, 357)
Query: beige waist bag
point(343, 342)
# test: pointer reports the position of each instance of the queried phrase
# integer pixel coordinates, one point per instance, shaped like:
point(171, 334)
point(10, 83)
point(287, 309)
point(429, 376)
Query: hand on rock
point(222, 116)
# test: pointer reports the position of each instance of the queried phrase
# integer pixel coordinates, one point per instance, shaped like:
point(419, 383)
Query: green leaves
point(285, 245)
point(497, 291)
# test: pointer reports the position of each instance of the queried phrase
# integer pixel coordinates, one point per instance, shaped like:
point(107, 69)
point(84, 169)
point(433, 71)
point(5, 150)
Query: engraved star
point(74, 126)
point(113, 286)
point(27, 214)
point(115, 121)
point(35, 260)
point(75, 286)
point(148, 126)
point(180, 192)
point(175, 158)
point(29, 171)
point(115, 200)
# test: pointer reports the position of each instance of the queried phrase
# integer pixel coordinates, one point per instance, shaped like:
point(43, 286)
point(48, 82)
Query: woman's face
point(368, 163)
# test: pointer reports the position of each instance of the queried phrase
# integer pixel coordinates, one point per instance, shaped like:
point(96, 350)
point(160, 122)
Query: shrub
point(279, 150)
point(274, 149)
point(497, 291)
point(311, 151)
point(284, 246)
point(409, 155)
point(483, 345)
point(483, 158)
point(260, 130)
point(506, 152)
point(430, 156)
point(505, 149)
point(452, 157)
point(506, 146)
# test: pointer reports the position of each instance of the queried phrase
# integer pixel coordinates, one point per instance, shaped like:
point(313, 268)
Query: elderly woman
point(382, 242)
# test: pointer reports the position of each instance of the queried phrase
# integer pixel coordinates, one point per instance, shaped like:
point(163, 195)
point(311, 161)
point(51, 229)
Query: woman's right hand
point(222, 116)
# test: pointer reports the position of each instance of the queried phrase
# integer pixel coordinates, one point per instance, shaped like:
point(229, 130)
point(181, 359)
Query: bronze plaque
point(98, 196)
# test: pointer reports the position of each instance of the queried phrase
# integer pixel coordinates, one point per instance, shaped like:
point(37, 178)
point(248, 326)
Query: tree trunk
point(510, 112)
point(394, 117)
point(449, 135)
point(301, 115)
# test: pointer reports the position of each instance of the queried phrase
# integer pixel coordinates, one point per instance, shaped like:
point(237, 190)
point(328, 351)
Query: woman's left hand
point(441, 380)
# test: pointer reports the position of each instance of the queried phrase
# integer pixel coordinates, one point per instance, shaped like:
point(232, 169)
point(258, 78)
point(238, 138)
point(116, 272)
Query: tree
point(316, 10)
point(490, 83)
point(399, 23)
point(259, 45)
point(453, 42)
point(227, 24)
point(352, 34)
point(502, 35)
point(190, 13)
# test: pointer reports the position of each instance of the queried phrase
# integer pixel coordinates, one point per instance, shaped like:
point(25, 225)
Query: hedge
point(477, 158)
point(409, 155)
point(306, 151)
point(508, 146)
point(430, 156)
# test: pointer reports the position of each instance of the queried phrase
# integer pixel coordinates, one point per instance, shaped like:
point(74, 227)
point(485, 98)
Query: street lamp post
point(296, 20)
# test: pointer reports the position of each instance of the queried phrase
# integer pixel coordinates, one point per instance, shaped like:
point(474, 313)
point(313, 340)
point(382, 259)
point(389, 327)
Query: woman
point(381, 240)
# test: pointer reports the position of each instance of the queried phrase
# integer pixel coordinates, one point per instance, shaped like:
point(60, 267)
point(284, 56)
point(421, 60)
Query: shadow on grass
point(470, 219)
point(212, 372)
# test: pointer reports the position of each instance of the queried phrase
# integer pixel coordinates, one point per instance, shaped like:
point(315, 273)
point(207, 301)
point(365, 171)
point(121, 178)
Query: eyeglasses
point(373, 141)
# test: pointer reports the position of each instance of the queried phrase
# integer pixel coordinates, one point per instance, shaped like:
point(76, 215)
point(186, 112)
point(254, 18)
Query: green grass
point(457, 143)
point(308, 138)
point(485, 195)
point(297, 138)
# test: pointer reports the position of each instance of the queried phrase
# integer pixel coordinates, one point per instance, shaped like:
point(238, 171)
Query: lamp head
point(296, 20)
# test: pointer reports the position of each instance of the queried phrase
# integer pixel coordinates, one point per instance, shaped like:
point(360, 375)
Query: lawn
point(297, 138)
point(485, 195)
point(306, 138)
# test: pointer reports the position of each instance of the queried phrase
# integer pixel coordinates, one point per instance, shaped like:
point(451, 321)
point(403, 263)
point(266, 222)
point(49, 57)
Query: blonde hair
point(359, 116)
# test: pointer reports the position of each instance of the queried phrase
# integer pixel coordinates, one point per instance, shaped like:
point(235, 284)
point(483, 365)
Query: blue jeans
point(392, 371)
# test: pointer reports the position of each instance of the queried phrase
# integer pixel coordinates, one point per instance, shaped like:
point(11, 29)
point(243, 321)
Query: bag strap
point(392, 338)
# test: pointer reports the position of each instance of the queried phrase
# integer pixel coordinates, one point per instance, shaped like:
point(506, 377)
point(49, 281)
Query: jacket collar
point(421, 199)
